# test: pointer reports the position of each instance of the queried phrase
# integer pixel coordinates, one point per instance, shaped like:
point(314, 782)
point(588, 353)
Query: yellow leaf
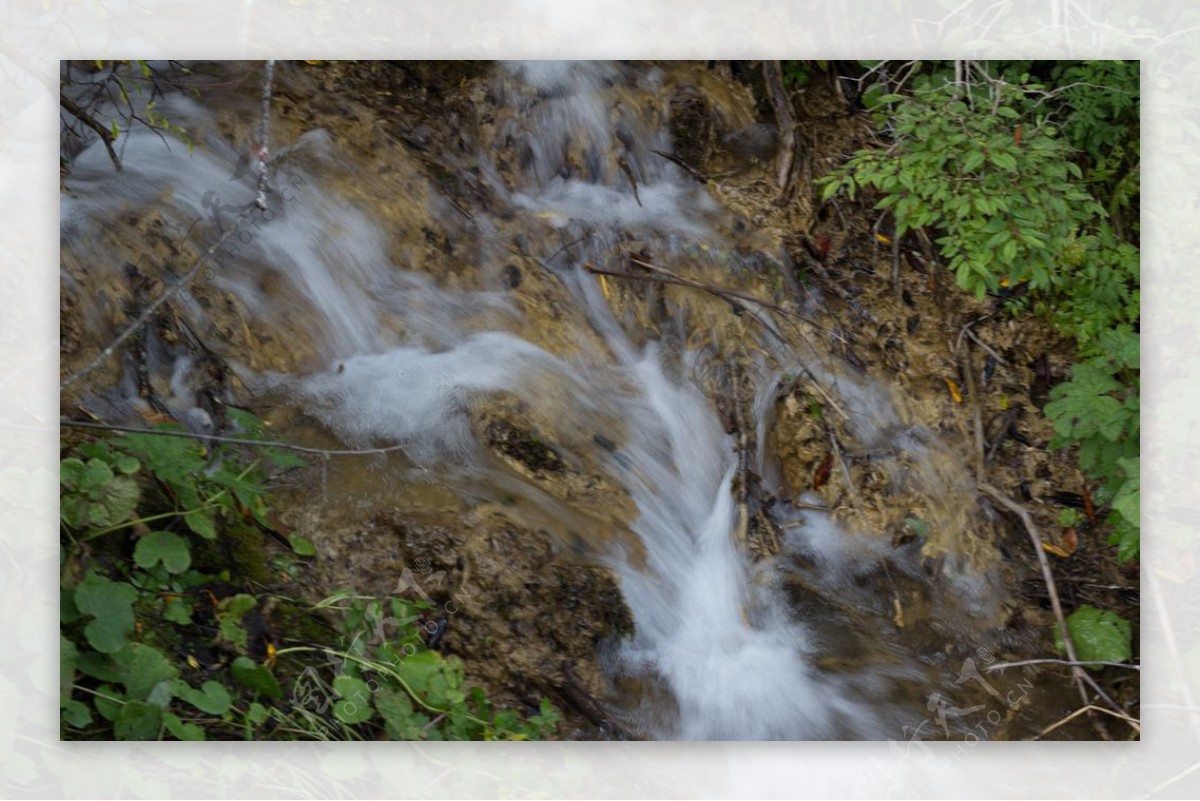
point(887, 240)
point(604, 287)
point(193, 663)
point(954, 391)
point(1050, 547)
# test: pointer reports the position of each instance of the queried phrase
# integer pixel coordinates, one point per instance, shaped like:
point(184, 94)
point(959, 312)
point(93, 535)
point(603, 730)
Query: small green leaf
point(918, 527)
point(201, 522)
point(163, 546)
point(1128, 499)
point(180, 730)
point(115, 130)
point(178, 611)
point(120, 499)
point(302, 546)
point(396, 709)
point(141, 667)
point(355, 703)
point(109, 702)
point(1004, 161)
point(1099, 636)
point(96, 476)
point(68, 655)
point(70, 473)
point(76, 714)
point(1068, 518)
point(212, 697)
point(111, 603)
point(249, 673)
point(98, 666)
point(257, 713)
point(138, 720)
point(230, 612)
point(126, 464)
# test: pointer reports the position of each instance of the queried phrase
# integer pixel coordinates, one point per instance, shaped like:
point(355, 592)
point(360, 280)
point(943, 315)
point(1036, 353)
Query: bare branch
point(1002, 665)
point(106, 135)
point(159, 432)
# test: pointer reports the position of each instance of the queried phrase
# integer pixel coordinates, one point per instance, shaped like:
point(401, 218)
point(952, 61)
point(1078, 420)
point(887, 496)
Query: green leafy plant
point(997, 183)
point(1099, 411)
point(1000, 167)
point(1099, 636)
point(385, 677)
point(137, 602)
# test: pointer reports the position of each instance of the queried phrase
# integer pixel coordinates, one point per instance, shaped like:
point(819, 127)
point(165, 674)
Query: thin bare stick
point(1077, 673)
point(781, 103)
point(837, 454)
point(683, 165)
point(1002, 665)
point(1010, 417)
point(159, 432)
point(153, 308)
point(106, 135)
point(1133, 722)
point(987, 348)
point(668, 277)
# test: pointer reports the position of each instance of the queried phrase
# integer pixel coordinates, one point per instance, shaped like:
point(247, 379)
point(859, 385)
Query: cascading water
point(393, 355)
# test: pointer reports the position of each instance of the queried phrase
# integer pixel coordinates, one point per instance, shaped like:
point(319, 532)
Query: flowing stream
point(387, 353)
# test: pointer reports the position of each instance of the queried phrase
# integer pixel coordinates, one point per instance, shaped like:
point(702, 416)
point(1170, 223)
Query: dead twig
point(1006, 424)
point(743, 300)
point(1077, 673)
point(782, 105)
point(106, 135)
point(683, 165)
point(845, 468)
point(1002, 665)
point(159, 432)
point(1133, 722)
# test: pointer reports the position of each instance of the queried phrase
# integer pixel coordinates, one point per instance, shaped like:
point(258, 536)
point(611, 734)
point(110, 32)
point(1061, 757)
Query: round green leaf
point(111, 603)
point(249, 673)
point(70, 473)
point(180, 730)
point(109, 702)
point(1100, 635)
point(76, 714)
point(355, 703)
point(212, 697)
point(138, 720)
point(163, 546)
point(95, 478)
point(142, 667)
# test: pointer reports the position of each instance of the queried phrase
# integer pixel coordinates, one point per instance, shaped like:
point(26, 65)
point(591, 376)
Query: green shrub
point(148, 525)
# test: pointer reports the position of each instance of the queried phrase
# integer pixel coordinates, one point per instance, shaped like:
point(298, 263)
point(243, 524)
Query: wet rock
point(753, 143)
point(418, 138)
point(524, 446)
